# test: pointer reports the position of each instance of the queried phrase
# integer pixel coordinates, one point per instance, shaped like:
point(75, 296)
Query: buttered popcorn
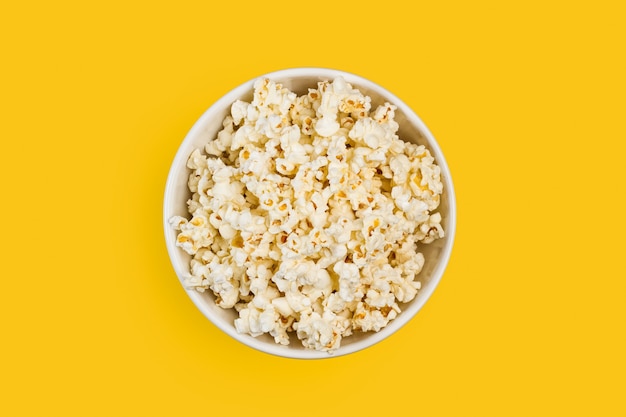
point(307, 214)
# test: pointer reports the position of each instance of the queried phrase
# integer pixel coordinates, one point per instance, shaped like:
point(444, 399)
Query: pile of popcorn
point(307, 212)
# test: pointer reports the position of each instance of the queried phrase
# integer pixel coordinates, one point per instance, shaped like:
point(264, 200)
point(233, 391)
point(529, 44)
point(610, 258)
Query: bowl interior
point(299, 80)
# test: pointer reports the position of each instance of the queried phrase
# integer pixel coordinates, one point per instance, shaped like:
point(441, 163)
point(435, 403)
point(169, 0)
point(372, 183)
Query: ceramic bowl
point(299, 80)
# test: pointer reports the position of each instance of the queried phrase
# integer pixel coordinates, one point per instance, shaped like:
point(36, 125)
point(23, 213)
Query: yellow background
point(527, 100)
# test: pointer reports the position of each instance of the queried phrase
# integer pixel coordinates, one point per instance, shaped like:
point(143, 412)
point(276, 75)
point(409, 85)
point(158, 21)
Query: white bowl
point(298, 80)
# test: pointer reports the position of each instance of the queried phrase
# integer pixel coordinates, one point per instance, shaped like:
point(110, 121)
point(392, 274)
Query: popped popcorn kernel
point(308, 213)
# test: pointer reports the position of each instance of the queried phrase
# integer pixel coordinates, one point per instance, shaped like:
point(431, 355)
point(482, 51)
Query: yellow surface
point(526, 100)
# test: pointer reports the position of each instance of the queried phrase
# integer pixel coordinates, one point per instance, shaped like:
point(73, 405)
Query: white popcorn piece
point(308, 212)
point(371, 319)
point(400, 165)
point(384, 115)
point(282, 306)
point(297, 301)
point(369, 133)
point(320, 332)
point(271, 98)
point(326, 126)
point(194, 234)
point(349, 280)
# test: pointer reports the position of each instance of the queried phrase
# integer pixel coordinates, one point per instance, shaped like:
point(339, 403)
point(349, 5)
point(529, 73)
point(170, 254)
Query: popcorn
point(349, 280)
point(307, 214)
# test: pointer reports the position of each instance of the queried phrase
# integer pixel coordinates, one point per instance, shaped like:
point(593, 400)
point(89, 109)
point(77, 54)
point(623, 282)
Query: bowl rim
point(179, 162)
